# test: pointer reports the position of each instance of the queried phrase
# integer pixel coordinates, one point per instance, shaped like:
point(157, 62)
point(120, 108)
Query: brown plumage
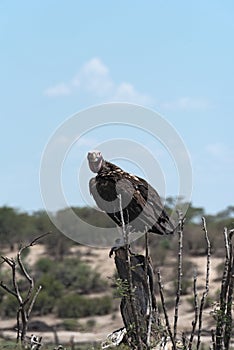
point(141, 204)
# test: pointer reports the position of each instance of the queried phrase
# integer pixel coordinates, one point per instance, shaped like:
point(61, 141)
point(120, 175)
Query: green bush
point(70, 324)
point(76, 275)
point(9, 306)
point(90, 324)
point(44, 265)
point(44, 304)
point(71, 273)
point(75, 306)
point(53, 287)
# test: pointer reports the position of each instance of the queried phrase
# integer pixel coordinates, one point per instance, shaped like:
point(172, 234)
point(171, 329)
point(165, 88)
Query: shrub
point(74, 274)
point(9, 306)
point(53, 287)
point(90, 324)
point(75, 306)
point(71, 273)
point(44, 265)
point(44, 304)
point(70, 324)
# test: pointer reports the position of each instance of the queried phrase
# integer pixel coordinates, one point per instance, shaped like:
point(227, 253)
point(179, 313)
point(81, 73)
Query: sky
point(60, 58)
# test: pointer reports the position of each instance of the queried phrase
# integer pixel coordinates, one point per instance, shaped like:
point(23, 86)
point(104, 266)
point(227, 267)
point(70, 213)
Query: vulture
point(127, 199)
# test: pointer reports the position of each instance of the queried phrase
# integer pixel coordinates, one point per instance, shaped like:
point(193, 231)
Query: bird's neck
point(107, 167)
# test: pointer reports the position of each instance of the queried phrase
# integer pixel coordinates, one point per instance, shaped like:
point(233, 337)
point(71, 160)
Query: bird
point(127, 199)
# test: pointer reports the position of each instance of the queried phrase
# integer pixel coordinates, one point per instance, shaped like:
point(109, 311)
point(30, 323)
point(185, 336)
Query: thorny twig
point(223, 294)
point(165, 311)
point(179, 275)
point(149, 291)
point(194, 322)
point(205, 293)
point(228, 325)
point(213, 339)
point(224, 316)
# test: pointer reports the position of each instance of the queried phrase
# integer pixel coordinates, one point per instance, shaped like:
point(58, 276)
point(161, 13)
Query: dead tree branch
point(130, 278)
point(224, 315)
point(25, 304)
point(205, 293)
point(179, 270)
point(194, 322)
point(165, 311)
point(150, 292)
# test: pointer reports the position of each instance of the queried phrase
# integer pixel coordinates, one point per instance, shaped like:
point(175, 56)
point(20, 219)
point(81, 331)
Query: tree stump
point(136, 273)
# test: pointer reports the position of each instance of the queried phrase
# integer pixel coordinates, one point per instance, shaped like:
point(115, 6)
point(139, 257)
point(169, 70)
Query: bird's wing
point(140, 203)
point(104, 193)
point(147, 204)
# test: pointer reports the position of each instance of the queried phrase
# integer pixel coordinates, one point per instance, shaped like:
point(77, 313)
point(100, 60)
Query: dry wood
point(179, 272)
point(205, 293)
point(25, 304)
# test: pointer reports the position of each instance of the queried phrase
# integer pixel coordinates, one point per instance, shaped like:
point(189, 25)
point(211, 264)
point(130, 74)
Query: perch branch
point(129, 272)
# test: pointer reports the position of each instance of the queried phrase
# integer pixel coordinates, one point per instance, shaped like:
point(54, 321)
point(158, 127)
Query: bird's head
point(96, 161)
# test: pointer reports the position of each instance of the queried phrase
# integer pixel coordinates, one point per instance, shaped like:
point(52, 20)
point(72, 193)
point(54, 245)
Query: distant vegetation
point(67, 281)
point(17, 226)
point(70, 276)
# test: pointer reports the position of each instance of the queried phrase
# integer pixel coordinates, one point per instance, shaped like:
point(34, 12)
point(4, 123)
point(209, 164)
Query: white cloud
point(220, 152)
point(186, 103)
point(60, 89)
point(127, 92)
point(94, 78)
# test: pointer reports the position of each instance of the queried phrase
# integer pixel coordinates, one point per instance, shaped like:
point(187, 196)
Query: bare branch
point(165, 311)
point(23, 269)
point(213, 339)
point(221, 316)
point(9, 261)
point(205, 293)
point(194, 323)
point(35, 241)
point(228, 319)
point(179, 275)
point(18, 325)
point(15, 284)
point(7, 289)
point(33, 301)
point(31, 244)
point(23, 311)
point(149, 291)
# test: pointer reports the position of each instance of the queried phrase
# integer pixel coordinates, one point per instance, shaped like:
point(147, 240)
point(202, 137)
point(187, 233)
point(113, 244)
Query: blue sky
point(58, 58)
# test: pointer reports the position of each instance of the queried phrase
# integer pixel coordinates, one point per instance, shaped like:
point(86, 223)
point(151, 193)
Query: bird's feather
point(142, 207)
